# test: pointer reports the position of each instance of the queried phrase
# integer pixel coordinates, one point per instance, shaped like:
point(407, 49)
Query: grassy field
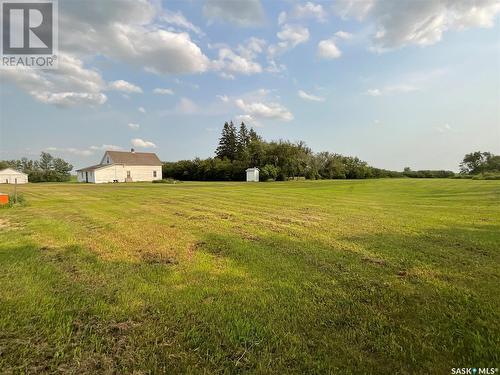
point(374, 276)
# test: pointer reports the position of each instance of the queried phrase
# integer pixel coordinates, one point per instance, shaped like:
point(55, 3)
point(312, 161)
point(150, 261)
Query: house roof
point(12, 171)
point(93, 167)
point(134, 158)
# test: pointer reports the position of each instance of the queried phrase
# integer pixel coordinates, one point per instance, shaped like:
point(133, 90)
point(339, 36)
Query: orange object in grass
point(4, 199)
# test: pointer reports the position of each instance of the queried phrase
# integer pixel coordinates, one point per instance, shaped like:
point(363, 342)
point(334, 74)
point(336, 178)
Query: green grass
point(370, 276)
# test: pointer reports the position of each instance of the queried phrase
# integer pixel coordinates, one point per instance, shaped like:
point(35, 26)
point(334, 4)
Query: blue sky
point(395, 83)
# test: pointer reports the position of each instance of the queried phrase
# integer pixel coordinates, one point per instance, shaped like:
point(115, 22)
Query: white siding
point(118, 172)
point(252, 175)
point(9, 176)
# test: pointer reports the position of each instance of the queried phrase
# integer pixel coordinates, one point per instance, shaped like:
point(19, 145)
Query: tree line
point(45, 169)
point(242, 148)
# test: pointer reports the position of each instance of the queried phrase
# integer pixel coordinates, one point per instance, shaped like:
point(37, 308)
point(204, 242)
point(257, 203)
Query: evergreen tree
point(243, 141)
point(227, 142)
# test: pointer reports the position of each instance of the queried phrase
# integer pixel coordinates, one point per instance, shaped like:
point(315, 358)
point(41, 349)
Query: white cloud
point(186, 106)
point(125, 30)
point(122, 30)
point(69, 85)
point(290, 36)
point(357, 9)
point(242, 61)
point(248, 120)
point(132, 125)
point(401, 23)
point(178, 19)
point(141, 143)
point(310, 10)
point(223, 98)
point(105, 147)
point(243, 13)
point(270, 110)
point(304, 95)
point(70, 150)
point(343, 35)
point(400, 88)
point(327, 49)
point(70, 99)
point(160, 91)
point(373, 92)
point(293, 34)
point(141, 109)
point(124, 86)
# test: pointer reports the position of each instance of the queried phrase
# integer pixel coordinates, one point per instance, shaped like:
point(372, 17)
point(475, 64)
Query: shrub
point(13, 202)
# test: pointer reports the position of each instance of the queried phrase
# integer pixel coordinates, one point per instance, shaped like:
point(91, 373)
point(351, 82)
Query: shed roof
point(94, 167)
point(252, 169)
point(134, 158)
point(11, 171)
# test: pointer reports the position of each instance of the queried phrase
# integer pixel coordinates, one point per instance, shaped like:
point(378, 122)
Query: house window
point(107, 160)
point(128, 174)
point(154, 174)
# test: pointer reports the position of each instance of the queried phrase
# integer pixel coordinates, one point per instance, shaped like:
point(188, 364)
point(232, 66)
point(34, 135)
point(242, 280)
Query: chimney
point(132, 150)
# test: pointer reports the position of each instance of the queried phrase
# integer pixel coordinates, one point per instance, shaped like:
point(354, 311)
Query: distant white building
point(11, 176)
point(252, 174)
point(120, 166)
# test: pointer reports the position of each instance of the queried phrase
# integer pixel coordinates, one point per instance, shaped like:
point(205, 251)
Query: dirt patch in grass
point(158, 258)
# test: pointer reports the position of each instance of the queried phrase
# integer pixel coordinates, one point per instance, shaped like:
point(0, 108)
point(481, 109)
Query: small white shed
point(252, 174)
point(11, 176)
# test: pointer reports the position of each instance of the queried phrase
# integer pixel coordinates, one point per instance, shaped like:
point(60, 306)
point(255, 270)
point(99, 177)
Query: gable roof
point(134, 158)
point(12, 171)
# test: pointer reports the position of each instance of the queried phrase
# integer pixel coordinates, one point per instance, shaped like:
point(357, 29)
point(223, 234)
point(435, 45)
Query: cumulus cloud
point(310, 10)
point(161, 91)
point(271, 110)
point(70, 85)
point(132, 125)
point(293, 34)
point(290, 36)
point(304, 95)
point(70, 99)
point(141, 143)
point(123, 30)
point(141, 109)
point(327, 49)
point(244, 13)
point(241, 61)
point(343, 34)
point(126, 30)
point(124, 86)
point(178, 19)
point(401, 23)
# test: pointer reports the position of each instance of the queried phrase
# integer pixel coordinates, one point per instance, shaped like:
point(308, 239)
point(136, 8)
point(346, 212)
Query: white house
point(11, 176)
point(252, 174)
point(120, 166)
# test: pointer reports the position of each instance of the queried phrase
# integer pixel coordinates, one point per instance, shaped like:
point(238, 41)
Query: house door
point(86, 176)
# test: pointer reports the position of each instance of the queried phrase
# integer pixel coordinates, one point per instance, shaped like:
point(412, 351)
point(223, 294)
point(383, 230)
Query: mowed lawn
point(373, 276)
